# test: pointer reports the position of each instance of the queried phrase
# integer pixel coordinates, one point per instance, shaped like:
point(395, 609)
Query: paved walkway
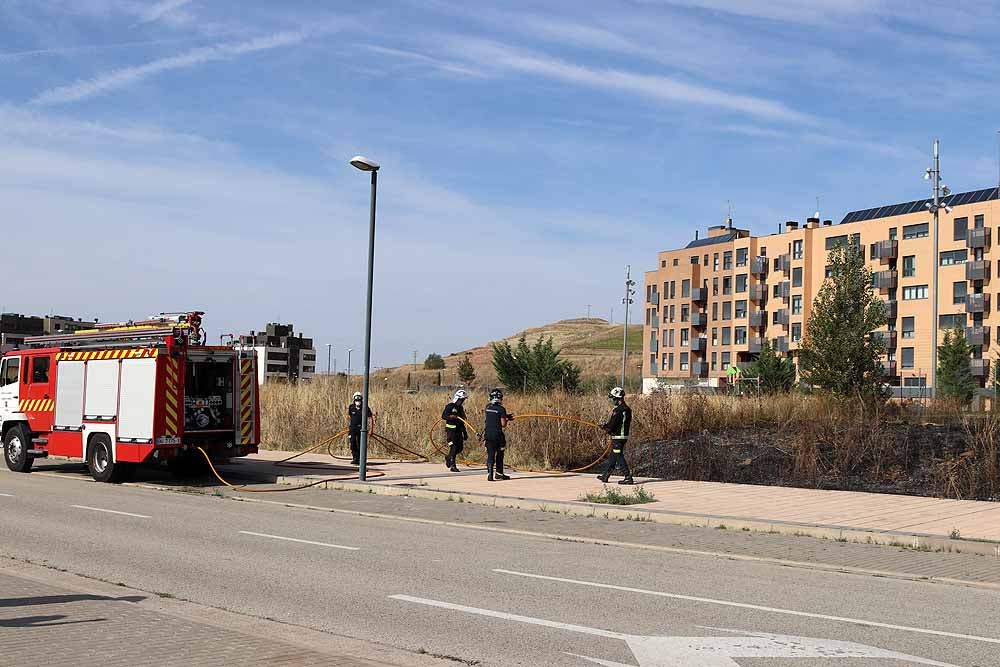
point(915, 521)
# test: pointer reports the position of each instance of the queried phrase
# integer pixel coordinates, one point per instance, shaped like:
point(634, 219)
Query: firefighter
point(617, 427)
point(454, 428)
point(496, 442)
point(354, 415)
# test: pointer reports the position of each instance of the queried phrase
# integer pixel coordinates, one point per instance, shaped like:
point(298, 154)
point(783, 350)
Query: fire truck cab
point(120, 395)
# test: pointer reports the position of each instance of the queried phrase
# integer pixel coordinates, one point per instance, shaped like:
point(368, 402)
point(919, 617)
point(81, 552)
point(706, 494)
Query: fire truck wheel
point(100, 461)
point(15, 449)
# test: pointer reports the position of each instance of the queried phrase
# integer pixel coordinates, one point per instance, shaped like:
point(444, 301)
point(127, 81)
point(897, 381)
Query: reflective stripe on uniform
point(616, 451)
point(451, 425)
point(619, 437)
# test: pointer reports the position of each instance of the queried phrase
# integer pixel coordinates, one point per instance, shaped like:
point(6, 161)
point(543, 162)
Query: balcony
point(653, 299)
point(978, 238)
point(888, 338)
point(886, 250)
point(699, 295)
point(785, 263)
point(759, 266)
point(699, 344)
point(891, 309)
point(785, 290)
point(699, 369)
point(781, 317)
point(977, 303)
point(758, 293)
point(781, 344)
point(980, 368)
point(885, 279)
point(889, 369)
point(758, 319)
point(978, 270)
point(699, 320)
point(755, 344)
point(977, 336)
point(654, 322)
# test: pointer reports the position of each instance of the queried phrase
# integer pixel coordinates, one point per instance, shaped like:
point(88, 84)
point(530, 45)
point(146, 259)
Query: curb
point(915, 541)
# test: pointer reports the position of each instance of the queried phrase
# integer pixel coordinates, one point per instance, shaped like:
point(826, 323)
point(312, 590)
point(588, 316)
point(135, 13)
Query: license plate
point(168, 440)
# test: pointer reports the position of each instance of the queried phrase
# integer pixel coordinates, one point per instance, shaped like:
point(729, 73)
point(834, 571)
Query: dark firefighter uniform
point(496, 441)
point(354, 412)
point(455, 431)
point(617, 427)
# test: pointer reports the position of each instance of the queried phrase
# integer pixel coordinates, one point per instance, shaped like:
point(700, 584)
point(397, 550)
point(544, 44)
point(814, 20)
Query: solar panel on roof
point(972, 197)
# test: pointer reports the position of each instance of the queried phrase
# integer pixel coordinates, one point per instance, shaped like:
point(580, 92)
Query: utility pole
point(415, 360)
point(629, 292)
point(329, 354)
point(933, 174)
point(588, 311)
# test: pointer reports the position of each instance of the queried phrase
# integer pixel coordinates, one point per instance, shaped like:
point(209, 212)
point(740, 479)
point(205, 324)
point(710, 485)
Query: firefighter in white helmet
point(618, 426)
point(354, 417)
point(454, 428)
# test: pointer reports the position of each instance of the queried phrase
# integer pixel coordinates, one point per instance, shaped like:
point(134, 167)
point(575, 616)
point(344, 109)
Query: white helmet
point(460, 395)
point(616, 393)
point(357, 396)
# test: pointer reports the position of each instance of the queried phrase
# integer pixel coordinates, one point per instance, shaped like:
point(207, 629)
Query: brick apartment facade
point(715, 301)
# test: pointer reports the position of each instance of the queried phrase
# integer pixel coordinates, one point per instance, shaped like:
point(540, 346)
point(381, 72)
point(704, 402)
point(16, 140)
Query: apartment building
point(713, 303)
point(281, 354)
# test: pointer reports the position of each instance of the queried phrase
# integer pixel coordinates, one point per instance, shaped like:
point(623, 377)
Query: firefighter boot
point(449, 462)
point(603, 477)
point(489, 475)
point(628, 481)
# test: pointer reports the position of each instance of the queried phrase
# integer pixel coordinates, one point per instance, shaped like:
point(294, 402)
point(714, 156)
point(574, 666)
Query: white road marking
point(659, 651)
point(743, 605)
point(7, 495)
point(98, 509)
point(293, 539)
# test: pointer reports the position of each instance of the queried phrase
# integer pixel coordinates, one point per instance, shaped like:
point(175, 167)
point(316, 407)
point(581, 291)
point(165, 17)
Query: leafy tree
point(954, 372)
point(466, 371)
point(534, 368)
point(433, 362)
point(839, 354)
point(776, 373)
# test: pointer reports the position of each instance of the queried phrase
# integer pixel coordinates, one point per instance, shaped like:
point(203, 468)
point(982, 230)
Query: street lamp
point(329, 355)
point(365, 164)
point(933, 174)
point(349, 350)
point(629, 293)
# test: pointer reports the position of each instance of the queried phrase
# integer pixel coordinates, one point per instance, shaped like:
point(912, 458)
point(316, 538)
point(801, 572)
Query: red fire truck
point(123, 394)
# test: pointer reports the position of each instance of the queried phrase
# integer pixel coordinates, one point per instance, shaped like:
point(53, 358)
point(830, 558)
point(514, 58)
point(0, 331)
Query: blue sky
point(193, 153)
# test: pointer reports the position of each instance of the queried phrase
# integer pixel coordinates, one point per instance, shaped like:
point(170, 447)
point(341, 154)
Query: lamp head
point(364, 164)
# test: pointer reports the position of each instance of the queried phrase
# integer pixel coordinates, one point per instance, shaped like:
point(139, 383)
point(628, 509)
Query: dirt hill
point(594, 345)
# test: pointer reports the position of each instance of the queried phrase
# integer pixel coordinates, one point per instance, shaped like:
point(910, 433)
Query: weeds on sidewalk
point(612, 496)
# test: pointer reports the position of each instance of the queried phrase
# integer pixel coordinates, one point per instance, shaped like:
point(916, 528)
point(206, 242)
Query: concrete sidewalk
point(918, 522)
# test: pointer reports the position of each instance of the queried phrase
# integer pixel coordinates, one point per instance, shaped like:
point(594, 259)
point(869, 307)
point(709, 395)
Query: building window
point(828, 272)
point(741, 309)
point(958, 292)
point(908, 327)
point(741, 283)
point(685, 313)
point(715, 310)
point(916, 231)
point(797, 249)
point(726, 357)
point(980, 220)
point(727, 285)
point(694, 259)
point(685, 289)
point(670, 361)
point(741, 335)
point(715, 357)
point(684, 361)
point(796, 332)
point(670, 339)
point(834, 241)
point(727, 260)
point(909, 266)
point(797, 305)
point(915, 381)
point(715, 336)
point(663, 363)
point(955, 321)
point(906, 360)
point(663, 263)
point(892, 233)
point(672, 313)
point(685, 337)
point(742, 255)
point(950, 257)
point(675, 264)
point(727, 336)
point(704, 259)
point(914, 292)
point(715, 261)
point(727, 310)
point(797, 277)
point(873, 251)
point(961, 228)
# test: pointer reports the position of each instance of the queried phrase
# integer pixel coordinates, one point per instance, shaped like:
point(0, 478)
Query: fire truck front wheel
point(15, 449)
point(101, 463)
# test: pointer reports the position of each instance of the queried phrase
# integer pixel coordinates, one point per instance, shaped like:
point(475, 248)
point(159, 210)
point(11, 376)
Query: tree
point(954, 371)
point(534, 368)
point(776, 373)
point(466, 371)
point(839, 353)
point(433, 362)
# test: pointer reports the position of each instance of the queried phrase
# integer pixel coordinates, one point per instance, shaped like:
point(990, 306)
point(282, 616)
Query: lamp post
point(329, 355)
point(349, 350)
point(365, 164)
point(629, 292)
point(933, 174)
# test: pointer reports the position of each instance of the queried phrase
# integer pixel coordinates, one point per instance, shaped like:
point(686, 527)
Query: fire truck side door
point(10, 374)
point(38, 401)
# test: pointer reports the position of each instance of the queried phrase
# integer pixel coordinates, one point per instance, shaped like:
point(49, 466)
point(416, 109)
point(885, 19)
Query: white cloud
point(445, 66)
point(127, 76)
point(162, 9)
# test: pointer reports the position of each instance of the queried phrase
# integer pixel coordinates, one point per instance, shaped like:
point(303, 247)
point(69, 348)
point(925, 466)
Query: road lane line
point(7, 495)
point(98, 509)
point(743, 605)
point(293, 539)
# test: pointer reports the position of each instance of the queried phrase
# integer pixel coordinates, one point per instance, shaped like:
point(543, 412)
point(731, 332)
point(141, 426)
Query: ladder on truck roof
point(153, 331)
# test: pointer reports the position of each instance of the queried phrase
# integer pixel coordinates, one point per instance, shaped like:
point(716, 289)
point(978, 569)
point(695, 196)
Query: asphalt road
point(489, 598)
